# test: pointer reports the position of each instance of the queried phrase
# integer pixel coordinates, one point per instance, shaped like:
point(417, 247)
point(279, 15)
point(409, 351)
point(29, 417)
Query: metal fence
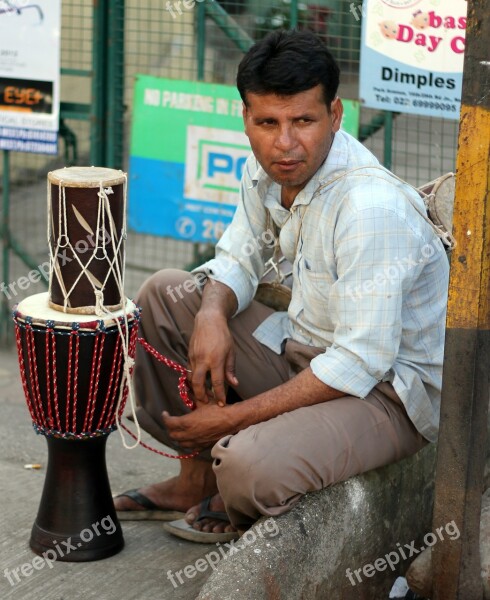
point(105, 44)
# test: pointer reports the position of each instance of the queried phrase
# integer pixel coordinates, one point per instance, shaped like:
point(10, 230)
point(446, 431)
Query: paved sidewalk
point(139, 572)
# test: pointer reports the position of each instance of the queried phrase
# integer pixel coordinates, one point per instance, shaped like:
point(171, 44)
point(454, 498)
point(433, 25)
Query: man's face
point(291, 135)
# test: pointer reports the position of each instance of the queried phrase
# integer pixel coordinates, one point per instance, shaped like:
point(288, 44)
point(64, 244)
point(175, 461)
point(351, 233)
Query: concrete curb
point(347, 526)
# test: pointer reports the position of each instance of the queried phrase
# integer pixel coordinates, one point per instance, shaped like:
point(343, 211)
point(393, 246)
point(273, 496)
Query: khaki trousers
point(266, 468)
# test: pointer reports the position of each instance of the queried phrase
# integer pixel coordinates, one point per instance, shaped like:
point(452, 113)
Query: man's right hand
point(211, 347)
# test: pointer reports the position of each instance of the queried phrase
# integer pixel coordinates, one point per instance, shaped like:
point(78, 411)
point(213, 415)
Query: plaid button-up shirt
point(370, 276)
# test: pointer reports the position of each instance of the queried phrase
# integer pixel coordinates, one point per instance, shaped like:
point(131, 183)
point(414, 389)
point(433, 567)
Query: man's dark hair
point(286, 63)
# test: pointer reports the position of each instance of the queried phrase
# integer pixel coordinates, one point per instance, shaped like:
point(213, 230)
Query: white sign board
point(412, 54)
point(29, 75)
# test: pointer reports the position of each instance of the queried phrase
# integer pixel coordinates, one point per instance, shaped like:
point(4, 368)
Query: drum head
point(441, 203)
point(86, 177)
point(38, 308)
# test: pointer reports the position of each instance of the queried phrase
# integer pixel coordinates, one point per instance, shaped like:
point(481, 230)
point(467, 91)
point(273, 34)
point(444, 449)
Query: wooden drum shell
point(74, 213)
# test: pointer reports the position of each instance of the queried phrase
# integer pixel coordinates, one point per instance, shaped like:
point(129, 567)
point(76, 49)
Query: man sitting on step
point(348, 378)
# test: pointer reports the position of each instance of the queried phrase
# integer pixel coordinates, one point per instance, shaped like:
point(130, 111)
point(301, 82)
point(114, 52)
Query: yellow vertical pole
point(465, 394)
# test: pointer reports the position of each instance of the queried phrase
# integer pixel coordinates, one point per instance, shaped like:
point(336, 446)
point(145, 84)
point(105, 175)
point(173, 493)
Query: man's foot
point(147, 510)
point(195, 481)
point(166, 495)
point(205, 523)
point(211, 524)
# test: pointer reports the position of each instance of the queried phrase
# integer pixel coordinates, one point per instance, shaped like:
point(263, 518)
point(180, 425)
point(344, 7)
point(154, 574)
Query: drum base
point(77, 520)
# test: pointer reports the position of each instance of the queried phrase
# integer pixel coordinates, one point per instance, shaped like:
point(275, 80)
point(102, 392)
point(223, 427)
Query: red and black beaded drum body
point(76, 345)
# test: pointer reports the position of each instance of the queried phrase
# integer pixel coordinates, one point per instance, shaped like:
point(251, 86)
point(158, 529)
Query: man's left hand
point(202, 427)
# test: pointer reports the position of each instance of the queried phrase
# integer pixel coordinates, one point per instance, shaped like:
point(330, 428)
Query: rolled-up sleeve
point(243, 249)
point(343, 372)
point(379, 258)
point(227, 270)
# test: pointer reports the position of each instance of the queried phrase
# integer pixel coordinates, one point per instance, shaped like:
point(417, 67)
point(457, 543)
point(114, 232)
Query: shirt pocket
point(315, 287)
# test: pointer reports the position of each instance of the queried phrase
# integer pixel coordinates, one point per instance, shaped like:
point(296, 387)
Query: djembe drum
point(76, 346)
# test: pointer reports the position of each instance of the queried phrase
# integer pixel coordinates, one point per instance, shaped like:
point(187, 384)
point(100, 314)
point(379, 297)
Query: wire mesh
point(162, 45)
point(28, 171)
point(162, 38)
